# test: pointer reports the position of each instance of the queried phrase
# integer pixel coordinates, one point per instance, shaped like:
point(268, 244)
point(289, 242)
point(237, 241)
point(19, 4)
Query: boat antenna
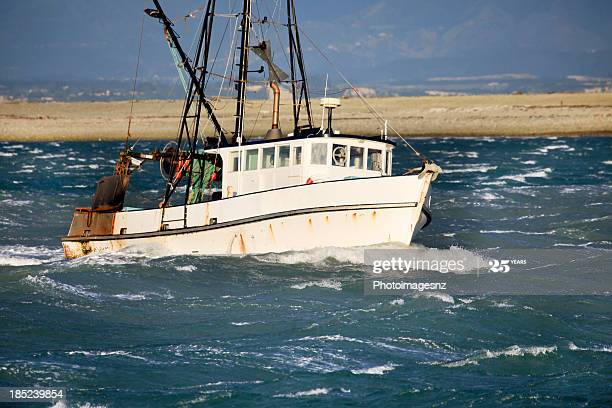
point(128, 135)
point(324, 96)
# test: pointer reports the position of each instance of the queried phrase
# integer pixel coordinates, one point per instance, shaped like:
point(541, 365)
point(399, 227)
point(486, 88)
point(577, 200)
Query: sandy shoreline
point(480, 115)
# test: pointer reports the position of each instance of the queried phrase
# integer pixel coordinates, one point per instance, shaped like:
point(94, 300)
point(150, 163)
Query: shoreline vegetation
point(568, 114)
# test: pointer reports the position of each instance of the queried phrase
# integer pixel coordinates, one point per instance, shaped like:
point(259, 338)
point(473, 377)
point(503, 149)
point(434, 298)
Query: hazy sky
point(395, 40)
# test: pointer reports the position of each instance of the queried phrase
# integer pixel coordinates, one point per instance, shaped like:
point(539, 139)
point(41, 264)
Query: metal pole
point(243, 68)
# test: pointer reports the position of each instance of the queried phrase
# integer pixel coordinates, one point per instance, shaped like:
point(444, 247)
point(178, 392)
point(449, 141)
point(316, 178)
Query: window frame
point(381, 161)
point(234, 158)
point(350, 157)
point(278, 162)
point(293, 155)
point(346, 154)
point(263, 155)
point(245, 160)
point(326, 157)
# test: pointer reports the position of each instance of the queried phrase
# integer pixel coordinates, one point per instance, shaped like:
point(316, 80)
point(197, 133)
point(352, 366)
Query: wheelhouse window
point(250, 162)
point(283, 156)
point(268, 158)
point(318, 153)
point(389, 163)
point(297, 156)
point(233, 160)
point(375, 160)
point(339, 155)
point(356, 158)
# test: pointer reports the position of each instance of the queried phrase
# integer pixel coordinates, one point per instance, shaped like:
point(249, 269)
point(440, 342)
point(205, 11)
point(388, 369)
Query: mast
point(159, 14)
point(182, 159)
point(243, 67)
point(296, 57)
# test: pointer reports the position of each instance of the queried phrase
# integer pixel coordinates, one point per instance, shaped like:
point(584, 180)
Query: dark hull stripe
point(428, 215)
point(248, 220)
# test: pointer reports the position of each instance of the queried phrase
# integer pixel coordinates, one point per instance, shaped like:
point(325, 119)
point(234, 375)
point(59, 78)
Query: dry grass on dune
point(486, 115)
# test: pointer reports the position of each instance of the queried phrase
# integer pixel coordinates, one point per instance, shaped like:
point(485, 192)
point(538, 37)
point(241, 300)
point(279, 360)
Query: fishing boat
point(224, 193)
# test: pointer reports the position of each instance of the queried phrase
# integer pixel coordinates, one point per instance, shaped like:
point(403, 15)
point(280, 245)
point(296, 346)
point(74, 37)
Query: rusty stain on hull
point(272, 236)
point(77, 250)
point(242, 245)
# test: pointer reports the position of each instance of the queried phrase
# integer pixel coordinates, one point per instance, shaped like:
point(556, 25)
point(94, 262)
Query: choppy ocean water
point(296, 329)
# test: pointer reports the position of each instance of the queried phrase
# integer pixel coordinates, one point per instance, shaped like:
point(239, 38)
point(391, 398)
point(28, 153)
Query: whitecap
point(316, 256)
point(120, 353)
point(377, 370)
point(472, 169)
point(308, 393)
point(21, 255)
point(522, 178)
point(512, 351)
point(46, 282)
point(76, 186)
point(186, 268)
point(427, 343)
point(130, 296)
point(605, 349)
point(18, 261)
point(489, 196)
point(17, 203)
point(444, 297)
point(243, 323)
point(608, 162)
point(502, 304)
point(333, 337)
point(326, 284)
point(397, 302)
point(562, 147)
point(51, 156)
point(515, 232)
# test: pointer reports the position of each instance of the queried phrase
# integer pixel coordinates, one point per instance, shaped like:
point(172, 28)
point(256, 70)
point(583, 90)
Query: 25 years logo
point(503, 265)
point(499, 266)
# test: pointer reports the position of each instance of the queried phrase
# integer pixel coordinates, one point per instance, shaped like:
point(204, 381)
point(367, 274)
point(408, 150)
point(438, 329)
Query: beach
point(570, 114)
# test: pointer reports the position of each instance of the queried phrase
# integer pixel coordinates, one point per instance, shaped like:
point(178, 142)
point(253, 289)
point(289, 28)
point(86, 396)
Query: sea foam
point(512, 351)
point(377, 370)
point(309, 393)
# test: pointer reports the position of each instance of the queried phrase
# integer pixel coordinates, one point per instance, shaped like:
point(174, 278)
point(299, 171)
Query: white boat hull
point(344, 213)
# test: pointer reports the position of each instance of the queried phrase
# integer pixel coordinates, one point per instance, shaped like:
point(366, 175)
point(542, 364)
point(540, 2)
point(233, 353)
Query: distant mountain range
point(390, 46)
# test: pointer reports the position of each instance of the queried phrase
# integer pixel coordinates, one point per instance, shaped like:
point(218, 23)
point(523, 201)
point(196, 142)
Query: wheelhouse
point(265, 165)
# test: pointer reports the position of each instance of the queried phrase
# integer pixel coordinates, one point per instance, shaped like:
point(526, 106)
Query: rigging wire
point(278, 36)
point(127, 136)
point(372, 110)
point(223, 78)
point(174, 83)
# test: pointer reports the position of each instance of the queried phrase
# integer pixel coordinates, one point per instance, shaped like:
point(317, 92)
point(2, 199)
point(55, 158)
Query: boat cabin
point(270, 164)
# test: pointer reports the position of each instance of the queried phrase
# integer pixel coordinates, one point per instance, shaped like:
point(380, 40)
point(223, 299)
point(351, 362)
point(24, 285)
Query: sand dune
point(480, 115)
